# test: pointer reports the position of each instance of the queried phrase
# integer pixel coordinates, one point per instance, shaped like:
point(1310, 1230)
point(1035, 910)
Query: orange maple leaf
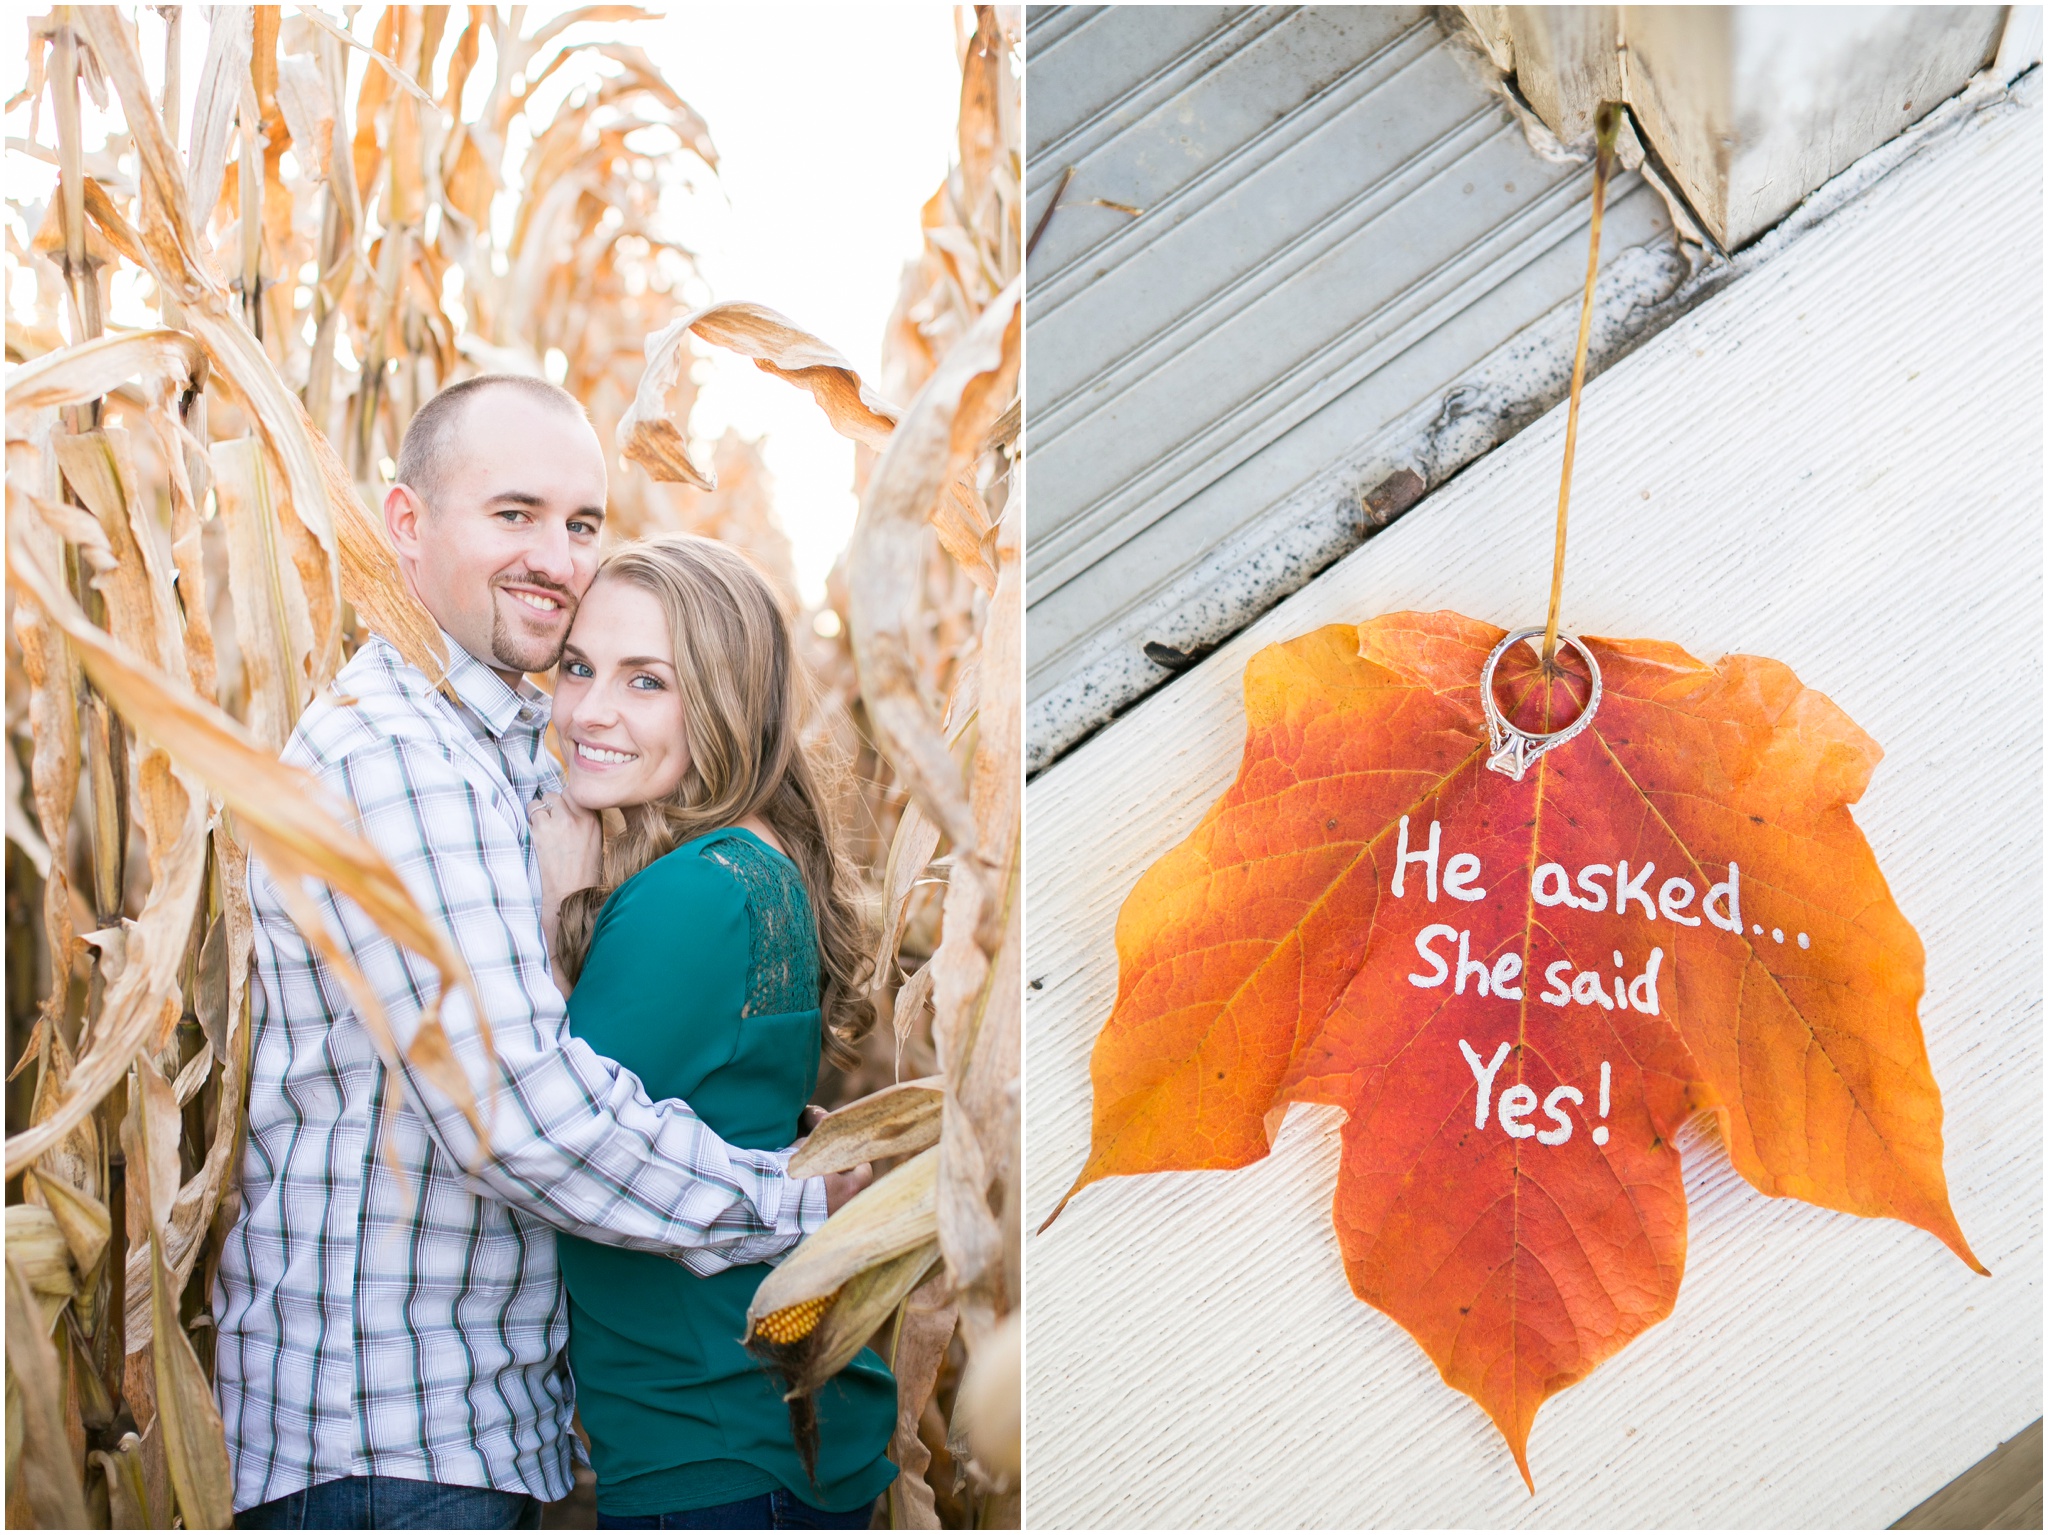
point(1519, 990)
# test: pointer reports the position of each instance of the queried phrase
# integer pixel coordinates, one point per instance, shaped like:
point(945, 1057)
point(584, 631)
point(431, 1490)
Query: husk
point(898, 1120)
point(890, 1217)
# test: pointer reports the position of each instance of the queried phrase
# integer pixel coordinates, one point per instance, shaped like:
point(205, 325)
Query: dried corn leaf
point(651, 436)
point(37, 1249)
point(981, 71)
point(912, 998)
point(978, 1000)
point(405, 187)
point(82, 1219)
point(961, 523)
point(195, 1204)
point(210, 988)
point(195, 1443)
point(50, 239)
point(648, 435)
point(777, 346)
point(528, 48)
point(641, 76)
point(460, 62)
point(215, 1178)
point(100, 467)
point(308, 106)
point(268, 624)
point(910, 851)
point(192, 1078)
point(75, 526)
point(997, 782)
point(107, 219)
point(891, 1123)
point(48, 1475)
point(128, 1501)
point(38, 59)
point(161, 1497)
point(92, 369)
point(170, 246)
point(28, 339)
point(922, 1335)
point(384, 61)
point(890, 1217)
point(467, 181)
point(144, 997)
point(173, 443)
point(297, 492)
point(76, 1158)
point(373, 100)
point(940, 435)
point(153, 1116)
point(233, 884)
point(166, 199)
point(188, 1218)
point(55, 762)
point(230, 47)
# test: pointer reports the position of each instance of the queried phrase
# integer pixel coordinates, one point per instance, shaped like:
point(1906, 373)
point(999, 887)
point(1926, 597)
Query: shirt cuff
point(803, 1207)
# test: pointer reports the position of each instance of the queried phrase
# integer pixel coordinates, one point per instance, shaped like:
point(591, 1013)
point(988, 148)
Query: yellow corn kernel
point(793, 1323)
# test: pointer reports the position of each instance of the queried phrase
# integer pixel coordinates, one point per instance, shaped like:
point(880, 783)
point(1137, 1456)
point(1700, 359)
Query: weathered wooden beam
point(1750, 107)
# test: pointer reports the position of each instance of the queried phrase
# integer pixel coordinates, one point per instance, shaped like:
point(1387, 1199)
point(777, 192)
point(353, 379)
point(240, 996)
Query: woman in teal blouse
point(715, 949)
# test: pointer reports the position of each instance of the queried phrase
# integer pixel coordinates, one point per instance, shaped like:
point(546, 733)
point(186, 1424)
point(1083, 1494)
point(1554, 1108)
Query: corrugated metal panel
point(1339, 225)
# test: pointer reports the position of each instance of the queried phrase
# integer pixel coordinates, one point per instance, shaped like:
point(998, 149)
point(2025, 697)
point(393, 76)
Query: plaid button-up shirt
point(411, 1323)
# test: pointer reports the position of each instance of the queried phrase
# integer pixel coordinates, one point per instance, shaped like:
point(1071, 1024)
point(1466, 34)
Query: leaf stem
point(1606, 124)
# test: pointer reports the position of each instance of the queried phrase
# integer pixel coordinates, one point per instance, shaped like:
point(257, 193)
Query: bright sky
point(834, 123)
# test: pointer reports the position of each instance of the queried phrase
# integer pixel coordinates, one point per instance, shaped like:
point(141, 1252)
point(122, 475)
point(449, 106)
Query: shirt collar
point(489, 697)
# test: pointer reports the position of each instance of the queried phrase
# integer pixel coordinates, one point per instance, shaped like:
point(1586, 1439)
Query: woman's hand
point(840, 1187)
point(569, 842)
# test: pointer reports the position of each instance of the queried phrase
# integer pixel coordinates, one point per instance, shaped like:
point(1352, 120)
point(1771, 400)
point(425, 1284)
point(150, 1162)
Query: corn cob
point(792, 1324)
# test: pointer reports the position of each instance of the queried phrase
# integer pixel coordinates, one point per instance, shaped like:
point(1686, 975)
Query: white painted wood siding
point(1835, 461)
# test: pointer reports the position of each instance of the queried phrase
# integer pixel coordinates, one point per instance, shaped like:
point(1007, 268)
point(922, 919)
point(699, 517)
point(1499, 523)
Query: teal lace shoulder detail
point(782, 972)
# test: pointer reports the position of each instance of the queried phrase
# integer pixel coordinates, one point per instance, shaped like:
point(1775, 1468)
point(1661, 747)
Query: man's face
point(509, 545)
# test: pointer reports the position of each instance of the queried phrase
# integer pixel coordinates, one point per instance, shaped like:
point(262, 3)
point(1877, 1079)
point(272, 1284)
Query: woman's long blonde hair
point(745, 695)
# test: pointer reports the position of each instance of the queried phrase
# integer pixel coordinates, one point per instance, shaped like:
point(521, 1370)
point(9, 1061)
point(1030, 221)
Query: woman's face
point(618, 711)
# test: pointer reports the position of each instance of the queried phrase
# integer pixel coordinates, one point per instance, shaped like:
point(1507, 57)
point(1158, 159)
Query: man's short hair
point(422, 456)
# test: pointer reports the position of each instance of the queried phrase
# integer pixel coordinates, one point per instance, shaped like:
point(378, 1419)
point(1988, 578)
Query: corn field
point(217, 333)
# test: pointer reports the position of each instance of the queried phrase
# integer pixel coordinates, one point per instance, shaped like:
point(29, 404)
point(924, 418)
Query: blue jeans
point(391, 1503)
point(777, 1510)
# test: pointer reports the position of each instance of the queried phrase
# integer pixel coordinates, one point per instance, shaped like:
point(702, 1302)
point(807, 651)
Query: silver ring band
point(1513, 748)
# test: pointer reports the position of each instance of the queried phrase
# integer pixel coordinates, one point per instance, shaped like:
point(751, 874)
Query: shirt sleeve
point(665, 986)
point(573, 1138)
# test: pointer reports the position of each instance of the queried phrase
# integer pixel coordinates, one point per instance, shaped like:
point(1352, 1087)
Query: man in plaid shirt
point(390, 1336)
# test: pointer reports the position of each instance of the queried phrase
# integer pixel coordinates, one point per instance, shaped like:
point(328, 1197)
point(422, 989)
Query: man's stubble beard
point(539, 655)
